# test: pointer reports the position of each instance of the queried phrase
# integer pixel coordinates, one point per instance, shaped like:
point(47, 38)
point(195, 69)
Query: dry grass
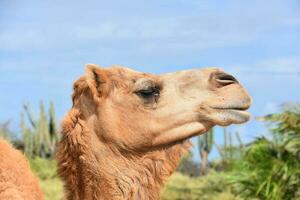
point(52, 188)
point(210, 187)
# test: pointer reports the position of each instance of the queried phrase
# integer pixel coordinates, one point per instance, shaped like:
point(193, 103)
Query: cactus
point(5, 131)
point(225, 149)
point(230, 147)
point(54, 136)
point(27, 137)
point(41, 138)
point(205, 143)
point(220, 150)
point(239, 139)
point(230, 150)
point(29, 115)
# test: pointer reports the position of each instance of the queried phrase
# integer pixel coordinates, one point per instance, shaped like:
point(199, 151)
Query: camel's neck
point(92, 170)
point(136, 177)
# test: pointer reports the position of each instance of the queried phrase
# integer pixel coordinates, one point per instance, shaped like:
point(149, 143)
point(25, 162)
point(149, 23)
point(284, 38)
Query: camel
point(127, 130)
point(17, 182)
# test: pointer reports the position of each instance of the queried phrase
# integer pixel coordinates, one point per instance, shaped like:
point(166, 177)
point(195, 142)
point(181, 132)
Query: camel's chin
point(231, 116)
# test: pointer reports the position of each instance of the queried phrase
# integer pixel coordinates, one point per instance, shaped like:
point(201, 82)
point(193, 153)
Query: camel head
point(127, 130)
point(137, 111)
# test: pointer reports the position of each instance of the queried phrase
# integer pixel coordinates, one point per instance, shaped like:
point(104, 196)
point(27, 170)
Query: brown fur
point(116, 147)
point(17, 182)
point(111, 174)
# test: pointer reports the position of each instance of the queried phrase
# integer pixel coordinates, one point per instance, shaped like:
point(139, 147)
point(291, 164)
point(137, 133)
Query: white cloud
point(278, 65)
point(166, 29)
point(281, 65)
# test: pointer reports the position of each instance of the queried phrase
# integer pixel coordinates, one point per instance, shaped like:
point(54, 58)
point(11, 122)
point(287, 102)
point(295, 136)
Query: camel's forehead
point(190, 73)
point(126, 71)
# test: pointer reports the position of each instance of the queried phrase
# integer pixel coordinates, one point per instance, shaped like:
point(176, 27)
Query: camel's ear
point(96, 77)
point(90, 85)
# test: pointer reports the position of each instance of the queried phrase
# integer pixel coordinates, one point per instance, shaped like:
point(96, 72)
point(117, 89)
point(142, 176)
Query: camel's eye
point(149, 93)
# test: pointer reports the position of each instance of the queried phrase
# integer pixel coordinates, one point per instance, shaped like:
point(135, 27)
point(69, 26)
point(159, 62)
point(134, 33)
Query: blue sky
point(45, 44)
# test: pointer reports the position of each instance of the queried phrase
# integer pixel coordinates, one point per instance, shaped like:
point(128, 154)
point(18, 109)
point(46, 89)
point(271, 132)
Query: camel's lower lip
point(241, 113)
point(235, 115)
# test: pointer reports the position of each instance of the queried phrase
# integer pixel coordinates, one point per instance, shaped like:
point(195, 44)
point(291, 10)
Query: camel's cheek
point(124, 125)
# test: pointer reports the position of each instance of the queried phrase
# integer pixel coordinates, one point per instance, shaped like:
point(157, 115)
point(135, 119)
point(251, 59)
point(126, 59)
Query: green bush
point(52, 189)
point(270, 168)
point(43, 168)
point(46, 171)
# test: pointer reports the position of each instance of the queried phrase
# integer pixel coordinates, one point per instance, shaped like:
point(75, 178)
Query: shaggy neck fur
point(94, 170)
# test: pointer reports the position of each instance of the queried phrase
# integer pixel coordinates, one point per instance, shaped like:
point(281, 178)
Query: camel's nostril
point(226, 77)
point(223, 79)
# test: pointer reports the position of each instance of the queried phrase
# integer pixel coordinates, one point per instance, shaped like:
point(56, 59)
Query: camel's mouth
point(244, 108)
point(238, 112)
point(233, 114)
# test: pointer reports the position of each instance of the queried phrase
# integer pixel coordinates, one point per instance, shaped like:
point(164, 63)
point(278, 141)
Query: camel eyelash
point(152, 92)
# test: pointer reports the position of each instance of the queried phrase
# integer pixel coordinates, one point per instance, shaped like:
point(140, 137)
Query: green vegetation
point(210, 187)
point(268, 168)
point(51, 185)
point(41, 136)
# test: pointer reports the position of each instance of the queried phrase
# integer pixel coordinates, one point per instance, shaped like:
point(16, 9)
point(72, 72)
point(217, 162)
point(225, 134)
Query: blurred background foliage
point(270, 167)
point(40, 136)
point(267, 168)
